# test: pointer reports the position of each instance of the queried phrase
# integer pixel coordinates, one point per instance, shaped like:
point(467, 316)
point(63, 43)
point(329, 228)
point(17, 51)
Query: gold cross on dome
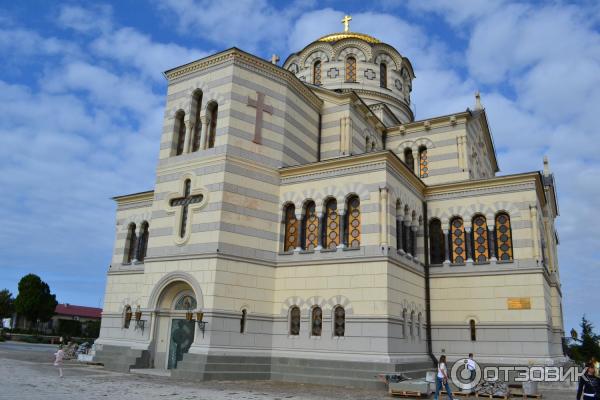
point(346, 21)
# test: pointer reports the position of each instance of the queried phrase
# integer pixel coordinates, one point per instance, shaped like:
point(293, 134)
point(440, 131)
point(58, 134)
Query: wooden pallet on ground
point(491, 396)
point(406, 393)
point(466, 395)
point(520, 394)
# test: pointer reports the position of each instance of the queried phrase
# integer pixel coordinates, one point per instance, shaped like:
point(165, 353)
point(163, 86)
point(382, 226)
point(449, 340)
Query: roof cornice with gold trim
point(134, 197)
point(334, 37)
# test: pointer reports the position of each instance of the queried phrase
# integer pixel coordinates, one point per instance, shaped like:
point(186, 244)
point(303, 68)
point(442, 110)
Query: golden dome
point(334, 37)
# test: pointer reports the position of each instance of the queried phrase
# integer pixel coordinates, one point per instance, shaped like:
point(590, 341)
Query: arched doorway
point(174, 333)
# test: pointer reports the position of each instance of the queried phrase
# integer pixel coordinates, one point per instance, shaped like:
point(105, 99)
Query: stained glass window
point(180, 124)
point(212, 126)
point(291, 229)
point(311, 226)
point(480, 239)
point(458, 241)
point(383, 75)
point(354, 228)
point(504, 237)
point(131, 243)
point(339, 321)
point(316, 321)
point(332, 236)
point(350, 69)
point(295, 321)
point(436, 242)
point(185, 303)
point(317, 73)
point(423, 163)
point(409, 159)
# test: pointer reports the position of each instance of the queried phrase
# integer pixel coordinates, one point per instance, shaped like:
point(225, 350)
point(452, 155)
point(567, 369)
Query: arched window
point(458, 241)
point(504, 237)
point(412, 324)
point(243, 321)
point(213, 113)
point(404, 322)
point(423, 163)
point(473, 330)
point(316, 321)
point(130, 244)
point(179, 132)
point(317, 72)
point(409, 159)
point(367, 145)
point(353, 227)
point(373, 145)
point(143, 245)
point(332, 228)
point(127, 316)
point(291, 229)
point(339, 321)
point(383, 75)
point(294, 321)
point(436, 242)
point(350, 69)
point(419, 325)
point(311, 226)
point(197, 102)
point(480, 239)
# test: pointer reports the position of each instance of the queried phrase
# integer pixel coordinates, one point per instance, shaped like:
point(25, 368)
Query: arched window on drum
point(332, 226)
point(353, 226)
point(310, 224)
point(480, 239)
point(459, 248)
point(503, 232)
point(291, 234)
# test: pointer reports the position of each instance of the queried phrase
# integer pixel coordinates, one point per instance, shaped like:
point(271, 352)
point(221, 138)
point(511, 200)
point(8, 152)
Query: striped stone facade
point(217, 226)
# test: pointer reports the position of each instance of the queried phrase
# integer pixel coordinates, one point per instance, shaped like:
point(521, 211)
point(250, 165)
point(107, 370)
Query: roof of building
point(334, 37)
point(78, 311)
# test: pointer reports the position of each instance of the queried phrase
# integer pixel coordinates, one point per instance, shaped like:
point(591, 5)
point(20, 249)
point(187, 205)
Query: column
point(320, 230)
point(204, 133)
point(189, 133)
point(446, 244)
point(383, 197)
point(469, 244)
point(416, 161)
point(342, 214)
point(492, 243)
point(138, 231)
point(298, 211)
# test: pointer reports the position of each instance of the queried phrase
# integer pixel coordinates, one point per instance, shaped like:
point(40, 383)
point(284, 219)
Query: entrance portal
point(182, 337)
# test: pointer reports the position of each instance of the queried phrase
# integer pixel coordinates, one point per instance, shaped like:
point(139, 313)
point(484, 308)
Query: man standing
point(471, 366)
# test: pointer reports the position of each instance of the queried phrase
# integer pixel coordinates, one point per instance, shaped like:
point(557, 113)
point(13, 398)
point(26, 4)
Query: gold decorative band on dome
point(334, 37)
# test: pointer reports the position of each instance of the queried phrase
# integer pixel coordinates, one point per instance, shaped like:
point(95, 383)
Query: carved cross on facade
point(261, 107)
point(184, 202)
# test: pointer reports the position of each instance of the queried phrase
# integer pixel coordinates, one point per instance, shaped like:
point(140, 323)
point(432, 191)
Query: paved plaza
point(26, 372)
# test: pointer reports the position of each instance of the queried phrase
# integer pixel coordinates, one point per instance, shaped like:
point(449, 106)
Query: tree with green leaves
point(7, 304)
point(587, 345)
point(34, 301)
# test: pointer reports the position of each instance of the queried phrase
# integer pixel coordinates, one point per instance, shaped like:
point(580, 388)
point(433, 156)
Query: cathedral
point(305, 226)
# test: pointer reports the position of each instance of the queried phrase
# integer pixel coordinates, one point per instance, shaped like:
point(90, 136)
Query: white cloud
point(90, 19)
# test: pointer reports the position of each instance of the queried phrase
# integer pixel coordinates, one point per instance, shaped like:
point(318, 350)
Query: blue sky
point(82, 97)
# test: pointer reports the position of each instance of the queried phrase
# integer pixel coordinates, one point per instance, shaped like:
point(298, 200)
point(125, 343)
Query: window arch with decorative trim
point(350, 69)
point(481, 251)
point(383, 75)
point(409, 160)
point(317, 72)
point(504, 243)
point(295, 321)
point(197, 103)
point(316, 321)
point(339, 321)
point(436, 242)
point(143, 241)
point(473, 330)
point(423, 162)
point(353, 225)
point(130, 244)
point(332, 226)
point(213, 114)
point(459, 249)
point(310, 225)
point(291, 233)
point(179, 132)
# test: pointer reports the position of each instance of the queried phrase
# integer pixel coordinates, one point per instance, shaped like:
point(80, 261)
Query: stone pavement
point(27, 373)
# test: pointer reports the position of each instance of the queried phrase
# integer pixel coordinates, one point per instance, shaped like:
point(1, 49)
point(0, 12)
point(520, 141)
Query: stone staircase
point(122, 359)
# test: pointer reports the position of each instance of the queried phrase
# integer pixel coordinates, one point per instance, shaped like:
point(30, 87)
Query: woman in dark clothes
point(589, 384)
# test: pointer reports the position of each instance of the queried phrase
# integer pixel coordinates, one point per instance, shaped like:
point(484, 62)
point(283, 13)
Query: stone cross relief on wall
point(261, 108)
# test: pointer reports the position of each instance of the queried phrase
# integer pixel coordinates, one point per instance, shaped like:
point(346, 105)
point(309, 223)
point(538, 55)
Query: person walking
point(59, 356)
point(441, 379)
point(471, 366)
point(589, 384)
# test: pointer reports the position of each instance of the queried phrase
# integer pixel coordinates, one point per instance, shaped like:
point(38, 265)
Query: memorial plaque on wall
point(519, 303)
